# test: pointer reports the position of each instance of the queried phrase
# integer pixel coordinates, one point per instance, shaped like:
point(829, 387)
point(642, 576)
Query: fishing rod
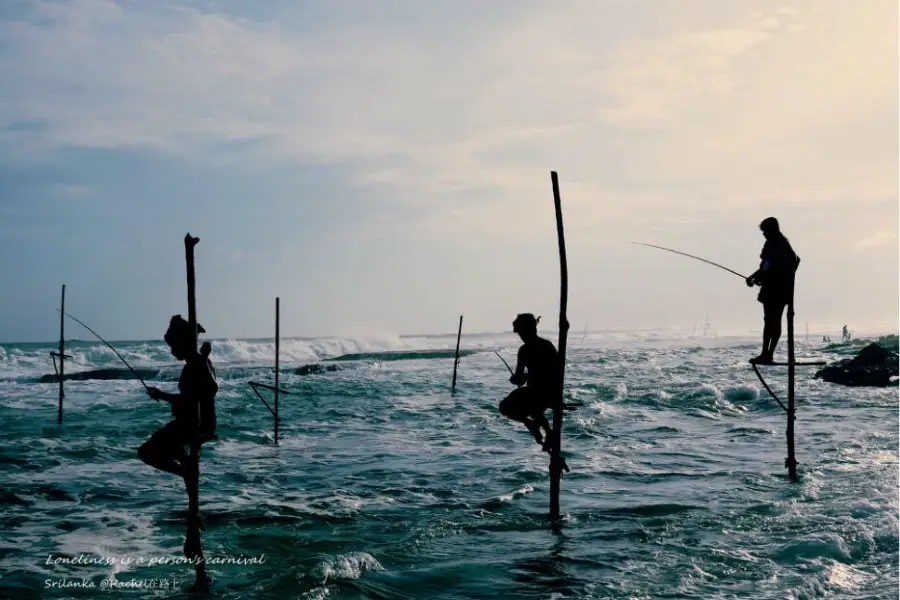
point(504, 362)
point(110, 347)
point(507, 365)
point(709, 262)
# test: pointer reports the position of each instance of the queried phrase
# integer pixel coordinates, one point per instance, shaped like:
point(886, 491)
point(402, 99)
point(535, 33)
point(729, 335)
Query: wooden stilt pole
point(276, 388)
point(62, 353)
point(277, 347)
point(456, 358)
point(192, 546)
point(556, 463)
point(791, 462)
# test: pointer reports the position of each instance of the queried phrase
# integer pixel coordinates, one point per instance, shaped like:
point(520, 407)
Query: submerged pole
point(555, 460)
point(791, 462)
point(192, 547)
point(277, 347)
point(456, 358)
point(62, 352)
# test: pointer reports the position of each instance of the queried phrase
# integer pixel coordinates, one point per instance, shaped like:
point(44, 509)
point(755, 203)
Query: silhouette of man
point(775, 277)
point(845, 335)
point(193, 408)
point(539, 357)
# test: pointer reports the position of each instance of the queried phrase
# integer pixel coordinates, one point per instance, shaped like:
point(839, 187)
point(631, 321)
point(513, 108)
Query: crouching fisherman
point(193, 407)
point(537, 368)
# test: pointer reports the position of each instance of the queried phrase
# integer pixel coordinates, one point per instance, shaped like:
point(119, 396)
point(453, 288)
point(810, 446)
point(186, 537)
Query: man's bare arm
point(519, 377)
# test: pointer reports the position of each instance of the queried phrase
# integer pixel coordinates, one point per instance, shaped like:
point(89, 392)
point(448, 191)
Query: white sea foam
point(33, 360)
point(347, 566)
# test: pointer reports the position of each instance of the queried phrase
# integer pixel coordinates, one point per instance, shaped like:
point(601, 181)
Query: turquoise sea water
point(384, 485)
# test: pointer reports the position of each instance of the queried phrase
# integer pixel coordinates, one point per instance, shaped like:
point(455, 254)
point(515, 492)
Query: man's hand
point(517, 380)
point(156, 393)
point(750, 281)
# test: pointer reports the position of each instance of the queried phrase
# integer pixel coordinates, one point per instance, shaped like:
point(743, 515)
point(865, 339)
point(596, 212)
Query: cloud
point(879, 238)
point(646, 109)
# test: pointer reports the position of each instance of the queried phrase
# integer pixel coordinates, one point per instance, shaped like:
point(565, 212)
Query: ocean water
point(386, 485)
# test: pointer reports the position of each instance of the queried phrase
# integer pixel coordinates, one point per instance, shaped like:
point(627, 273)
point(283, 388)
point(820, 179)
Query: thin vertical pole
point(189, 243)
point(62, 352)
point(456, 358)
point(192, 548)
point(555, 460)
point(277, 347)
point(791, 462)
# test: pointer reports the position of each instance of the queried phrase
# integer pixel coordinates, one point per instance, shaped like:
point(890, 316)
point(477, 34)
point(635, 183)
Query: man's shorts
point(170, 437)
point(526, 401)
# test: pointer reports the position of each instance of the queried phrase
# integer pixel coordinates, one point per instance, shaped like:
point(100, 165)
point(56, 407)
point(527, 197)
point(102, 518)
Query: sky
point(384, 167)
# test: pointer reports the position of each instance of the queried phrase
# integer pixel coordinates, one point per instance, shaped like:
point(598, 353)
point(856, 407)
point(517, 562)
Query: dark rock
point(873, 366)
point(891, 342)
point(316, 369)
point(102, 374)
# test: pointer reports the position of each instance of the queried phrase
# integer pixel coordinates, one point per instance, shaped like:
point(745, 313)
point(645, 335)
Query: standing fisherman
point(193, 412)
point(775, 277)
point(193, 408)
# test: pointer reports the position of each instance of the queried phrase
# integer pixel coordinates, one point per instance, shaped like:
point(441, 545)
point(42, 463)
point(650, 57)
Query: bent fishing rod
point(110, 347)
point(507, 366)
point(504, 362)
point(709, 262)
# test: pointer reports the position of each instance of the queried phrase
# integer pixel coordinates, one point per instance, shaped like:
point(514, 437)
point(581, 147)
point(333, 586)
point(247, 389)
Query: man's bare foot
point(562, 464)
point(762, 359)
point(203, 584)
point(535, 430)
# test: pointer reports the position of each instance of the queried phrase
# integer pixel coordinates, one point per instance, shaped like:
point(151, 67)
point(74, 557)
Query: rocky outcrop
point(315, 369)
point(873, 366)
point(891, 342)
point(102, 374)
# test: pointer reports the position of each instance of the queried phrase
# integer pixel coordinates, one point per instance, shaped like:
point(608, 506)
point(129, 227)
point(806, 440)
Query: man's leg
point(773, 313)
point(540, 418)
point(163, 450)
point(517, 406)
point(767, 339)
point(762, 358)
point(192, 486)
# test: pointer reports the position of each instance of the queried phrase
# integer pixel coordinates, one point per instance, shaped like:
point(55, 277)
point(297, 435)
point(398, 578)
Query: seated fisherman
point(539, 358)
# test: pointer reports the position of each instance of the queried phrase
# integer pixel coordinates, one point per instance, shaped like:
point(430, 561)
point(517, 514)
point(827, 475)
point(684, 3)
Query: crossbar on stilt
point(274, 388)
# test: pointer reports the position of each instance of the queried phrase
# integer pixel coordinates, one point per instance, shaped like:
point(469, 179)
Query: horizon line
point(750, 331)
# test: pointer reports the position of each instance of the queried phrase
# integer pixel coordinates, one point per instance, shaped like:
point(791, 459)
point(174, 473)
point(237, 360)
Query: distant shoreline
point(574, 334)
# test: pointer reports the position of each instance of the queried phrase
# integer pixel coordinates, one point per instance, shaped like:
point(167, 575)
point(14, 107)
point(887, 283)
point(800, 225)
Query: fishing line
point(709, 262)
point(110, 347)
